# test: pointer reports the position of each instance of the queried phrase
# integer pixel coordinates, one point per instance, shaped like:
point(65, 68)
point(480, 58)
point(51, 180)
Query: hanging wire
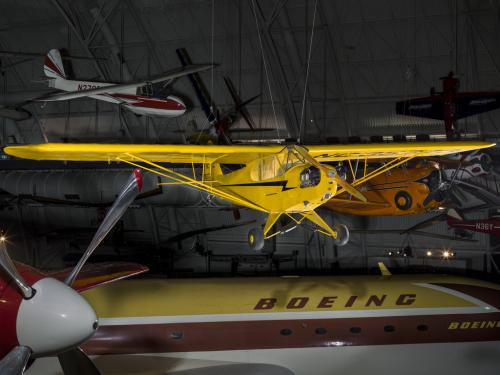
point(265, 69)
point(456, 37)
point(206, 123)
point(212, 54)
point(307, 73)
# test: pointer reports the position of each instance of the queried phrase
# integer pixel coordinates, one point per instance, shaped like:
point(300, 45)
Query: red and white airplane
point(137, 97)
point(489, 226)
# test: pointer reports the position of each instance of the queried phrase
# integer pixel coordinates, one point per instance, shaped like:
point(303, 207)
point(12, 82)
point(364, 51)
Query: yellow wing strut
point(185, 180)
point(318, 220)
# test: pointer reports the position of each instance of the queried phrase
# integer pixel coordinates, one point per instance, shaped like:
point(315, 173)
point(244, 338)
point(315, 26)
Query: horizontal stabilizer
point(96, 274)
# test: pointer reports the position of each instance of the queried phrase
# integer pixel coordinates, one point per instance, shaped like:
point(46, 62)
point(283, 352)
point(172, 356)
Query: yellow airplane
point(275, 179)
point(350, 325)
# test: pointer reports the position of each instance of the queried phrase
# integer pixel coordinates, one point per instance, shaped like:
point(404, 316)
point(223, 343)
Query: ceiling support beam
point(80, 37)
point(116, 54)
point(154, 55)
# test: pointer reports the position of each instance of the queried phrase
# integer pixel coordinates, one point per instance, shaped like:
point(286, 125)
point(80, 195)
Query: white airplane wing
point(169, 75)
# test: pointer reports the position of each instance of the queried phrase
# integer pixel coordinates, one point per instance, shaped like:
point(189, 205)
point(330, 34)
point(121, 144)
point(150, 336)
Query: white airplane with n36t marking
point(137, 97)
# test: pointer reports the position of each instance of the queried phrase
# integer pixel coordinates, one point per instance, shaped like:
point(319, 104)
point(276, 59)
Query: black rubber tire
point(255, 239)
point(407, 201)
point(342, 235)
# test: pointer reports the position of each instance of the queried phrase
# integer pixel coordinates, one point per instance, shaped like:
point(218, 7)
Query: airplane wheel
point(255, 239)
point(403, 200)
point(342, 235)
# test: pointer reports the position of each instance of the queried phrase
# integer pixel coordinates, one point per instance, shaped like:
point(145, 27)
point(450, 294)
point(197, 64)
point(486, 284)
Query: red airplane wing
point(426, 107)
point(473, 103)
point(93, 275)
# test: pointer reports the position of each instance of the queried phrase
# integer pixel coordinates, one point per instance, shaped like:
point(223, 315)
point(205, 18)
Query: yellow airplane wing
point(392, 150)
point(230, 154)
point(233, 154)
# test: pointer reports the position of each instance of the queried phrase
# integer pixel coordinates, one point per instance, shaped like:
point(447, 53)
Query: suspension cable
point(265, 69)
point(307, 72)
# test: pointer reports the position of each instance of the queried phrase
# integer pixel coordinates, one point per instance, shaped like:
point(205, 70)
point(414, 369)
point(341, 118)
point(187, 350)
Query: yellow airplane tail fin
point(383, 269)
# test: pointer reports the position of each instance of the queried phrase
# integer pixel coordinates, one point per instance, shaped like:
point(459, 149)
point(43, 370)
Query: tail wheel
point(342, 235)
point(403, 200)
point(256, 239)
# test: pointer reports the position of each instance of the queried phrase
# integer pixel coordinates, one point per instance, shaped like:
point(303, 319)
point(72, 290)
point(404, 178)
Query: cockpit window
point(146, 90)
point(310, 177)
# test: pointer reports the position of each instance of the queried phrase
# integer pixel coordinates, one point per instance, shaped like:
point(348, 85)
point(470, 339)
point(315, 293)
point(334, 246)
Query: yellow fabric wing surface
point(232, 154)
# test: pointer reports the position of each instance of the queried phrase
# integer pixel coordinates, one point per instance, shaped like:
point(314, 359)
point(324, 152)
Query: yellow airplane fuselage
point(401, 191)
point(301, 188)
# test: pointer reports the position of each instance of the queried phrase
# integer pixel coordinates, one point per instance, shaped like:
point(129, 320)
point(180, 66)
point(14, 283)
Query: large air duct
point(99, 186)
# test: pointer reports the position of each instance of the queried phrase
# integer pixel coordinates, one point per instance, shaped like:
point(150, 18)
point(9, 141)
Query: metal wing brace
point(181, 179)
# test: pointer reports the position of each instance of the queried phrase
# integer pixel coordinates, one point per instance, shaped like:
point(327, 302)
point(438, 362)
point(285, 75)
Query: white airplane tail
point(53, 66)
point(453, 214)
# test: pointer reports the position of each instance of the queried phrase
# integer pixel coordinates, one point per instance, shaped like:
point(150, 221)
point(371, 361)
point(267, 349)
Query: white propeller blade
point(15, 362)
point(8, 266)
point(126, 197)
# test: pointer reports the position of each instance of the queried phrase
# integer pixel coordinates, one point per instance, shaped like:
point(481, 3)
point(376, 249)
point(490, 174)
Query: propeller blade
point(239, 105)
point(126, 197)
point(249, 100)
point(486, 195)
point(457, 196)
point(8, 266)
point(329, 171)
point(15, 362)
point(232, 91)
point(434, 195)
point(348, 187)
point(423, 224)
point(76, 362)
point(185, 235)
point(248, 118)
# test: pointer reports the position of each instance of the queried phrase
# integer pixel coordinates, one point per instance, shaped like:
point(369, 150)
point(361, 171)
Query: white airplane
point(354, 325)
point(137, 97)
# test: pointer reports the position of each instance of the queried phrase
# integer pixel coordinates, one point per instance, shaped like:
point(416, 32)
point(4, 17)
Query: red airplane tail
point(53, 66)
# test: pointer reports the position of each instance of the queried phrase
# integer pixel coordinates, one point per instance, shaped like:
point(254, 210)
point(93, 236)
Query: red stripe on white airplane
point(157, 103)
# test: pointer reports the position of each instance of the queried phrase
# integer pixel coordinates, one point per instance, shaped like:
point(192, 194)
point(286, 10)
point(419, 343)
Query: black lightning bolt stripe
point(269, 183)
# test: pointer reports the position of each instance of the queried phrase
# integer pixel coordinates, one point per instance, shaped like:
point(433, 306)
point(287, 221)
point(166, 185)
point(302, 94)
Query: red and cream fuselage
point(306, 325)
point(55, 317)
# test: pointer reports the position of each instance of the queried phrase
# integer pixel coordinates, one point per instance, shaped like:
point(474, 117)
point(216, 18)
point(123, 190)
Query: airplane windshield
point(275, 165)
point(310, 177)
point(146, 90)
point(267, 168)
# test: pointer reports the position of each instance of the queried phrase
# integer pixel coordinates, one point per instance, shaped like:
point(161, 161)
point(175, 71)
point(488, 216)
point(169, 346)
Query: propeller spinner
point(49, 317)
